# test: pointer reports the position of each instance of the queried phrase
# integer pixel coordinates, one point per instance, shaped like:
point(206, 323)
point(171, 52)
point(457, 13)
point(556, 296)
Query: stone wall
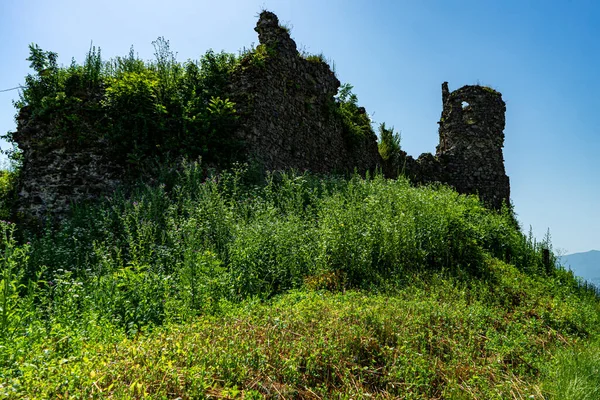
point(469, 154)
point(55, 174)
point(471, 140)
point(286, 106)
point(287, 120)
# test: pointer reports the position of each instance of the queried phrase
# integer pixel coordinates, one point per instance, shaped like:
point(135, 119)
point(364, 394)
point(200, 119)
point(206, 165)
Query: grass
point(435, 338)
point(298, 287)
point(575, 373)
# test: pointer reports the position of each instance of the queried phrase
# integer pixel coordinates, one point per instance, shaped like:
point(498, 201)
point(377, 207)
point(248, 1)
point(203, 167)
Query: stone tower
point(471, 132)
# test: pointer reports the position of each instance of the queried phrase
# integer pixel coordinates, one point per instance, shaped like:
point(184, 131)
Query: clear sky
point(543, 56)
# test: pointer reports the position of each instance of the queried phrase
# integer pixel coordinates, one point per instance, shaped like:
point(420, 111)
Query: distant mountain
point(585, 265)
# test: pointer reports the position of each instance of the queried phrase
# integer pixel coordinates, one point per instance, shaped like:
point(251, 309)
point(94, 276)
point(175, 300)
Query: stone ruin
point(469, 155)
point(286, 121)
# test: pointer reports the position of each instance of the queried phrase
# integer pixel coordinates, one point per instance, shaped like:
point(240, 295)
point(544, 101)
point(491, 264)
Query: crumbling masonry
point(286, 121)
point(286, 108)
point(469, 154)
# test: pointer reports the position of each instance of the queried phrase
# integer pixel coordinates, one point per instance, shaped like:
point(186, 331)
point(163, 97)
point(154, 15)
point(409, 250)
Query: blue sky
point(543, 56)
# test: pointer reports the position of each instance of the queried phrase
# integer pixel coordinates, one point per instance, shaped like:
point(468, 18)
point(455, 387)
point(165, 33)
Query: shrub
point(140, 111)
point(8, 192)
point(389, 149)
point(356, 122)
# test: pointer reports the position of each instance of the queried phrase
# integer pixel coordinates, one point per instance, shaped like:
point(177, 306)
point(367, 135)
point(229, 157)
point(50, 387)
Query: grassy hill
point(297, 287)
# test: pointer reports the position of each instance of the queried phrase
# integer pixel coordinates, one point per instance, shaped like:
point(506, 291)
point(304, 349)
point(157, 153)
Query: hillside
point(296, 287)
point(585, 265)
point(152, 251)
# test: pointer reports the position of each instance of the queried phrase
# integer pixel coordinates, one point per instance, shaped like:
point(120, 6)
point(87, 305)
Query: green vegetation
point(576, 373)
point(316, 58)
point(389, 149)
point(213, 285)
point(298, 287)
point(356, 121)
point(144, 111)
point(8, 192)
point(256, 56)
point(490, 90)
point(156, 111)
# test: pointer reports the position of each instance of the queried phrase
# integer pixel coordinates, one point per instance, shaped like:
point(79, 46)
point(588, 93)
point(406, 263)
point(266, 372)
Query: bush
point(139, 111)
point(356, 122)
point(389, 149)
point(237, 240)
point(8, 193)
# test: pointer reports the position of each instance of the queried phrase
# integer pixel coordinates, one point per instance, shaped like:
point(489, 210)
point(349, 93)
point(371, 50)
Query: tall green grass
point(174, 252)
point(456, 300)
point(575, 373)
point(218, 237)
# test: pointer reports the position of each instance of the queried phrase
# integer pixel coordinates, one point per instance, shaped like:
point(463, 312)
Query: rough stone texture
point(286, 112)
point(469, 154)
point(471, 140)
point(55, 174)
point(287, 120)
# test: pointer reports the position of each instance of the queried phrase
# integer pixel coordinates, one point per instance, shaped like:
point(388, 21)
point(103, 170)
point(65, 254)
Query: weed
point(299, 286)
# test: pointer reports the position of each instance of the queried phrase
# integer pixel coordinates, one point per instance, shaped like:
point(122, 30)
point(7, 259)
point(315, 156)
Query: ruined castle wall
point(287, 120)
point(471, 140)
point(469, 154)
point(286, 107)
point(55, 174)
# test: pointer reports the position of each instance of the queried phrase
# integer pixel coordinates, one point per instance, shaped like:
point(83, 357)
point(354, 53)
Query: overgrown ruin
point(286, 114)
point(287, 110)
point(469, 154)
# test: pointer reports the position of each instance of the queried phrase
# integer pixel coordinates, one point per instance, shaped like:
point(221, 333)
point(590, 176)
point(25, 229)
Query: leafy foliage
point(45, 84)
point(389, 148)
point(357, 124)
point(268, 239)
point(8, 192)
point(242, 273)
point(143, 110)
